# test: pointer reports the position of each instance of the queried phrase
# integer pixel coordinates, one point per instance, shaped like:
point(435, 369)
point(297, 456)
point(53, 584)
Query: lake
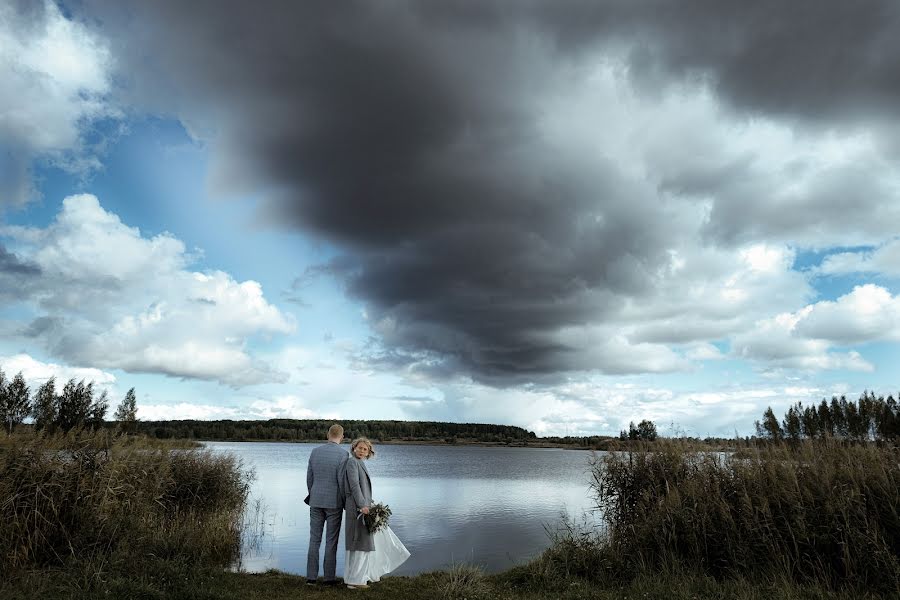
point(484, 505)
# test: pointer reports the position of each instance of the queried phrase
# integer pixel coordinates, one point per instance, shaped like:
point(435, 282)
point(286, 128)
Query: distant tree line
point(870, 418)
point(296, 430)
point(76, 406)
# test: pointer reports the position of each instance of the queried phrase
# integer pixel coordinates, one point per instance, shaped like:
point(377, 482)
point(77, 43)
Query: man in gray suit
point(325, 504)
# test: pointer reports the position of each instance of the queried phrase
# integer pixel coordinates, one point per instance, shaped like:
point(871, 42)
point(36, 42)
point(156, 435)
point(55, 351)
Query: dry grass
point(816, 512)
point(99, 504)
point(462, 581)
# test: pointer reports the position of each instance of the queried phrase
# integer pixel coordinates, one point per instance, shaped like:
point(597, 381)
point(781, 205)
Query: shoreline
point(613, 446)
point(540, 445)
point(531, 581)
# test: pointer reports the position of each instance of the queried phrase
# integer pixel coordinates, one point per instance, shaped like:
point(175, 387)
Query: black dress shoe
point(330, 582)
point(310, 582)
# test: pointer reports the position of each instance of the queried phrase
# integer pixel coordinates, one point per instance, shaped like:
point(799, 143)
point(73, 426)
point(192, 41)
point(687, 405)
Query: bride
point(369, 555)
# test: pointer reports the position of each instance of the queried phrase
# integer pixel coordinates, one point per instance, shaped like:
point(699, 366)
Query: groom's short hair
point(335, 431)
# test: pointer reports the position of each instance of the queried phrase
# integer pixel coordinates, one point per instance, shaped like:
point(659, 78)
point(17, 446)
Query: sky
point(561, 215)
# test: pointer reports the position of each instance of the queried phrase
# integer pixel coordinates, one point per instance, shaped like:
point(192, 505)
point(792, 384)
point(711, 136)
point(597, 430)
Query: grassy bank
point(88, 508)
point(457, 583)
point(98, 517)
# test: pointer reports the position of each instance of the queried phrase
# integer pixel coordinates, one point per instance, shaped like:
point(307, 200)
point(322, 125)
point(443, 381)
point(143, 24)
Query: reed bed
point(96, 504)
point(821, 513)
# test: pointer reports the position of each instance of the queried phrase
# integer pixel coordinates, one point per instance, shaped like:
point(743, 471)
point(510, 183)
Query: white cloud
point(600, 406)
point(54, 81)
point(616, 353)
point(279, 407)
point(36, 372)
point(712, 294)
point(742, 180)
point(884, 259)
point(703, 351)
point(804, 339)
point(287, 407)
point(186, 410)
point(111, 298)
point(867, 313)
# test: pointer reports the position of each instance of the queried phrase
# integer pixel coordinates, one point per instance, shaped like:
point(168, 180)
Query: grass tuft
point(462, 581)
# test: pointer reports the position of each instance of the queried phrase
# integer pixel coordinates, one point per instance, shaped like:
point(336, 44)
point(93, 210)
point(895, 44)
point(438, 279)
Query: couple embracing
point(339, 482)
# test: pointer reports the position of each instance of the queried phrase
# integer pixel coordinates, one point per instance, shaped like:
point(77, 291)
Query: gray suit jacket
point(357, 487)
point(322, 476)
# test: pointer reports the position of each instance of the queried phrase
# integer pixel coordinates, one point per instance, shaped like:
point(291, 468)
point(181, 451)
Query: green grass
point(516, 584)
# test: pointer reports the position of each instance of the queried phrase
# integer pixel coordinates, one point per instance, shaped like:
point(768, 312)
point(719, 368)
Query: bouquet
point(378, 517)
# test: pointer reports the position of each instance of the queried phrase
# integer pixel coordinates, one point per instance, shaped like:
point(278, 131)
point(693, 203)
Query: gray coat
point(322, 476)
point(357, 486)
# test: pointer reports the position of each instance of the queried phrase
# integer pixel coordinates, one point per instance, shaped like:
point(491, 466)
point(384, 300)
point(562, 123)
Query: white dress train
point(365, 567)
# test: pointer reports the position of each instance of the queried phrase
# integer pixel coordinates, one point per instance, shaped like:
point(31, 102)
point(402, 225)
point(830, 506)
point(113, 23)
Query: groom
point(325, 504)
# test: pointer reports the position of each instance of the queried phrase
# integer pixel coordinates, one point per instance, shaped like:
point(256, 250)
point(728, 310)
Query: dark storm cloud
point(807, 59)
point(407, 133)
point(12, 265)
point(16, 276)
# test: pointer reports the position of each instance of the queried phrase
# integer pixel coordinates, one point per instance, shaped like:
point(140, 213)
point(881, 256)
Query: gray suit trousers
point(318, 517)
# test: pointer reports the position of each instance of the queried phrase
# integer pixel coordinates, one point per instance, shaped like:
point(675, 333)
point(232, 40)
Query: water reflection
point(488, 506)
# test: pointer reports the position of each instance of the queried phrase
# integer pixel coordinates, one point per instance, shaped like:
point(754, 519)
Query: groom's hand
point(364, 510)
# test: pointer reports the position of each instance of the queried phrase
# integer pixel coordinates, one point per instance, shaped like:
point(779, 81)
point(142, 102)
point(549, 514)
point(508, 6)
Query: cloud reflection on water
point(487, 506)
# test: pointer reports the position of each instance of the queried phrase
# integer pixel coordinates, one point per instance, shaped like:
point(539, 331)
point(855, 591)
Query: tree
point(854, 422)
point(890, 420)
point(809, 422)
point(646, 430)
point(826, 422)
point(839, 415)
point(770, 428)
point(74, 404)
point(126, 413)
point(15, 402)
point(97, 411)
point(4, 397)
point(632, 431)
point(792, 423)
point(46, 409)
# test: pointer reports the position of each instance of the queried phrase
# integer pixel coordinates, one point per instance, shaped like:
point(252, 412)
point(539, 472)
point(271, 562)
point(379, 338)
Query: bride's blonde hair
point(367, 442)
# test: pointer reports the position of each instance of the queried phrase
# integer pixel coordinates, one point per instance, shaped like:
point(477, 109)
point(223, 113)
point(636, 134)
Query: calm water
point(487, 506)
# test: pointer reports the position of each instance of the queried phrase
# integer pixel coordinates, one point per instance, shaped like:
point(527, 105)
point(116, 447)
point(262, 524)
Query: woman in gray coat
point(357, 487)
point(369, 555)
point(358, 499)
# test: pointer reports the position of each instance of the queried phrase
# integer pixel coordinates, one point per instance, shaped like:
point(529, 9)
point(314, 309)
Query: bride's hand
point(364, 510)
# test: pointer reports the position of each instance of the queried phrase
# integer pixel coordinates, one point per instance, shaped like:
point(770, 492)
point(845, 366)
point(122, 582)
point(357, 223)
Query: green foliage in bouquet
point(378, 517)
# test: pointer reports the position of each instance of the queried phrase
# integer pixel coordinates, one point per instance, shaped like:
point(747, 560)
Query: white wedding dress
point(366, 567)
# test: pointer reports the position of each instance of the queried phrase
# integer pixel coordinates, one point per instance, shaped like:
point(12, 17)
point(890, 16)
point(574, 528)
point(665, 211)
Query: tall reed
point(91, 499)
point(818, 512)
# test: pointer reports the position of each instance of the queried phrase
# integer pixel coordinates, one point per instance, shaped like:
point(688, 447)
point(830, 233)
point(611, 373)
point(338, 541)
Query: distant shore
point(404, 432)
point(477, 443)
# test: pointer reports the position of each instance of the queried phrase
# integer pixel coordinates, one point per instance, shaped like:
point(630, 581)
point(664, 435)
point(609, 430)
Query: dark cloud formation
point(16, 275)
point(10, 264)
point(409, 133)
